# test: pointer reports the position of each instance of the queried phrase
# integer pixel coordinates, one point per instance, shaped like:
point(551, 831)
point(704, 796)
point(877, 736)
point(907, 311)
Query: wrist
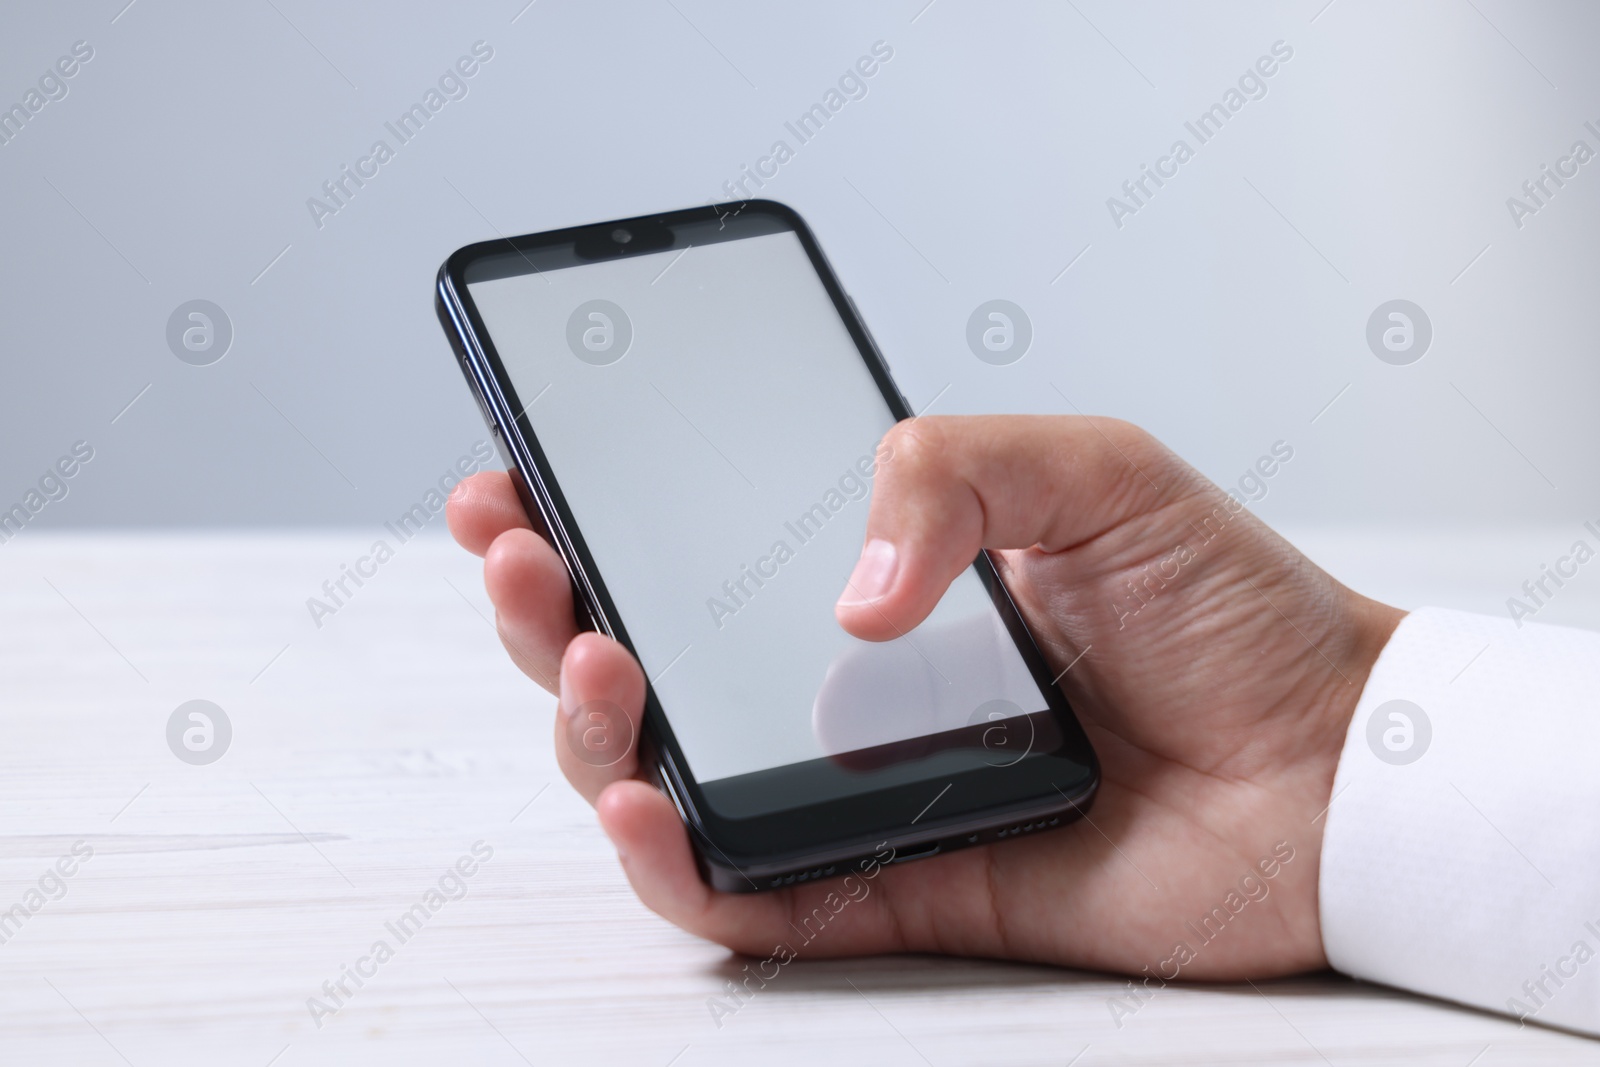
point(1365, 627)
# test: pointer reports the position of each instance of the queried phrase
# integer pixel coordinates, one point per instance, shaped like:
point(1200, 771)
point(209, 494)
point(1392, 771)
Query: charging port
point(920, 852)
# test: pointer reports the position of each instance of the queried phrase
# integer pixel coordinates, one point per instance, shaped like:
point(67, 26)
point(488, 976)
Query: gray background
point(1224, 316)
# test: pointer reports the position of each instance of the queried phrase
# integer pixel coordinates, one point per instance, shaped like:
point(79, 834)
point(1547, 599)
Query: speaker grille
point(1027, 827)
point(949, 844)
point(803, 876)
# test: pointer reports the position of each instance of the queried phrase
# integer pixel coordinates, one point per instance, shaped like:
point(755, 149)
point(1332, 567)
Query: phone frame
point(818, 840)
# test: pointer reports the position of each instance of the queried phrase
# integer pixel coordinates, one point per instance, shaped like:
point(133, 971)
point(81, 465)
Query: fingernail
point(873, 576)
point(564, 703)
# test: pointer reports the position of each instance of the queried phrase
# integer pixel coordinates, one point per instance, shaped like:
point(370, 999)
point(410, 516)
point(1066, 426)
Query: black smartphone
point(692, 411)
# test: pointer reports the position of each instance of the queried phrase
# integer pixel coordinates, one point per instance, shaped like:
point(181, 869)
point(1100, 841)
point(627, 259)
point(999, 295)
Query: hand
point(1214, 668)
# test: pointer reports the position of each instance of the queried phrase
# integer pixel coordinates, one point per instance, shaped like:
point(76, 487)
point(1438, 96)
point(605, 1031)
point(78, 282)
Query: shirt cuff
point(1461, 855)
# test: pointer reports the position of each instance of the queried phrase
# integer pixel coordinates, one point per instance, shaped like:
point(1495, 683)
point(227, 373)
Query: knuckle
point(1150, 471)
point(1139, 445)
point(913, 446)
point(1124, 434)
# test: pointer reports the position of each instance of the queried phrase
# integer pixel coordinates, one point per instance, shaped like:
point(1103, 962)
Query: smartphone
point(691, 409)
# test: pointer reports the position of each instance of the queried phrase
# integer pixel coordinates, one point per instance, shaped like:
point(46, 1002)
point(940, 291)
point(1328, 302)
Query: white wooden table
point(369, 755)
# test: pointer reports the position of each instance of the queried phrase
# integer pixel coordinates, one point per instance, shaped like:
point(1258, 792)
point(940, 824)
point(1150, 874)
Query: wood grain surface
point(370, 754)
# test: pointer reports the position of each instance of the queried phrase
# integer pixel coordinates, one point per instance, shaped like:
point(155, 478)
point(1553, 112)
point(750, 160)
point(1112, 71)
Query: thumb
point(948, 487)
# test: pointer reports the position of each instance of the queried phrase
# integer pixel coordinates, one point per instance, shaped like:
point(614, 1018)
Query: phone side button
point(483, 409)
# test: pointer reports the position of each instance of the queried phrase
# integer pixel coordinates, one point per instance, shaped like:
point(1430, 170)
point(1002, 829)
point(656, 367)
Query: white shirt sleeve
point(1461, 855)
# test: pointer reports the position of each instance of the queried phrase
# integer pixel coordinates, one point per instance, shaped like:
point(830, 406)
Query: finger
point(856, 911)
point(953, 486)
point(483, 507)
point(653, 846)
point(532, 597)
point(597, 721)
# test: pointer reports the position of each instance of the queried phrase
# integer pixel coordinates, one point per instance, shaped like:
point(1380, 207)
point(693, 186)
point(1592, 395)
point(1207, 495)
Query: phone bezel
point(745, 853)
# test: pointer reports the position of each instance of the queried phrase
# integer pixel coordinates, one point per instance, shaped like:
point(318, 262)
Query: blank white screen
point(740, 406)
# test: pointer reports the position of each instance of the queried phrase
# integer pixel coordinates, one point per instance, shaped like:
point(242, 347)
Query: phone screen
point(715, 432)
